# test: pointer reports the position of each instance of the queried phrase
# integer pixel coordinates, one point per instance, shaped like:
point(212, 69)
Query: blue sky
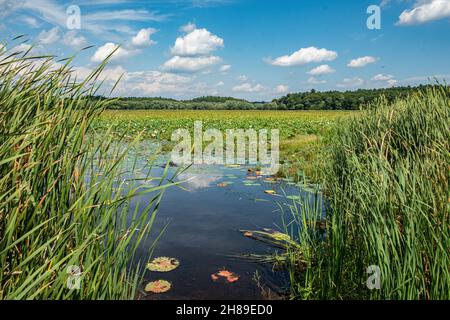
point(253, 49)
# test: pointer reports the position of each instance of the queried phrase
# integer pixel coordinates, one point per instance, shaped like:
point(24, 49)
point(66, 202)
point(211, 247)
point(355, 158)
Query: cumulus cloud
point(156, 82)
point(351, 83)
point(104, 51)
point(75, 42)
point(248, 87)
point(192, 52)
point(140, 83)
point(315, 81)
point(281, 88)
point(188, 28)
point(48, 37)
point(242, 78)
point(361, 62)
point(425, 11)
point(197, 42)
point(225, 68)
point(304, 56)
point(142, 38)
point(322, 69)
point(190, 64)
point(392, 82)
point(382, 77)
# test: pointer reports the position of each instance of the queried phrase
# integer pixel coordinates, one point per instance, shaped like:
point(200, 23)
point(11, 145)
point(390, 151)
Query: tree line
point(312, 100)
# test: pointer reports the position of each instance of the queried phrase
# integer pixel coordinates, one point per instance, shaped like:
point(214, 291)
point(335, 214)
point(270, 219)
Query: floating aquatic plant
point(163, 264)
point(159, 286)
point(228, 276)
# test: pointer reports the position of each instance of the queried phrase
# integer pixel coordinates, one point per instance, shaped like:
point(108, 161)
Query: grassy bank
point(63, 199)
point(387, 189)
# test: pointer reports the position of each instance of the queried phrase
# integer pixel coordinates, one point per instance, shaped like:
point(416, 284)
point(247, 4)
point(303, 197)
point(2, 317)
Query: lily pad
point(251, 184)
point(226, 275)
point(159, 286)
point(225, 184)
point(163, 264)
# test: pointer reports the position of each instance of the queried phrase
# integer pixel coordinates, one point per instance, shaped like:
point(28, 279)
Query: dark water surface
point(202, 231)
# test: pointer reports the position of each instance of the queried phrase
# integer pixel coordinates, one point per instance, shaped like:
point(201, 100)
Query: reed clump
point(66, 227)
point(387, 207)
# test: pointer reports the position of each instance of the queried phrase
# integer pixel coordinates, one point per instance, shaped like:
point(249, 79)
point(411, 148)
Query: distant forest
point(312, 100)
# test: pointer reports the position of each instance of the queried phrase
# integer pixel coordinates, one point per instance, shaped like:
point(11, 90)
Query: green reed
point(64, 199)
point(387, 205)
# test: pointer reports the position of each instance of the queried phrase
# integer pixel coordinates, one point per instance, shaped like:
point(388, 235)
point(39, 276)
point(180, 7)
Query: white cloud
point(384, 3)
point(197, 42)
point(392, 82)
point(322, 69)
point(225, 68)
point(304, 56)
point(48, 37)
point(104, 51)
point(361, 62)
point(220, 83)
point(30, 21)
point(425, 11)
point(124, 15)
point(150, 83)
point(281, 88)
point(75, 42)
point(140, 83)
point(382, 77)
point(188, 28)
point(315, 81)
point(190, 64)
point(104, 23)
point(242, 78)
point(248, 87)
point(8, 6)
point(142, 39)
point(351, 82)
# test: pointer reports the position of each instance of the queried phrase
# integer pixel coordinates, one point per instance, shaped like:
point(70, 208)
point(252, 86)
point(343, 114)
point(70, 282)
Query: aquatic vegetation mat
point(163, 264)
point(158, 286)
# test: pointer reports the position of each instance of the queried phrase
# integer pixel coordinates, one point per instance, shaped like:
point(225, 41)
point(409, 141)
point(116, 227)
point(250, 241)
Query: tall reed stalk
point(387, 206)
point(63, 199)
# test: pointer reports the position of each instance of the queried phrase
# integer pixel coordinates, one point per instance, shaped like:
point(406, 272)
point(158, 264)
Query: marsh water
point(201, 221)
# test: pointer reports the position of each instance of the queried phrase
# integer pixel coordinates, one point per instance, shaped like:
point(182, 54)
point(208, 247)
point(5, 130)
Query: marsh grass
point(63, 196)
point(386, 185)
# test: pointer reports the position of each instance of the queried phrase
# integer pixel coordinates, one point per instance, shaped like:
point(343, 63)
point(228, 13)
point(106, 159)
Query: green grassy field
point(301, 132)
point(161, 123)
